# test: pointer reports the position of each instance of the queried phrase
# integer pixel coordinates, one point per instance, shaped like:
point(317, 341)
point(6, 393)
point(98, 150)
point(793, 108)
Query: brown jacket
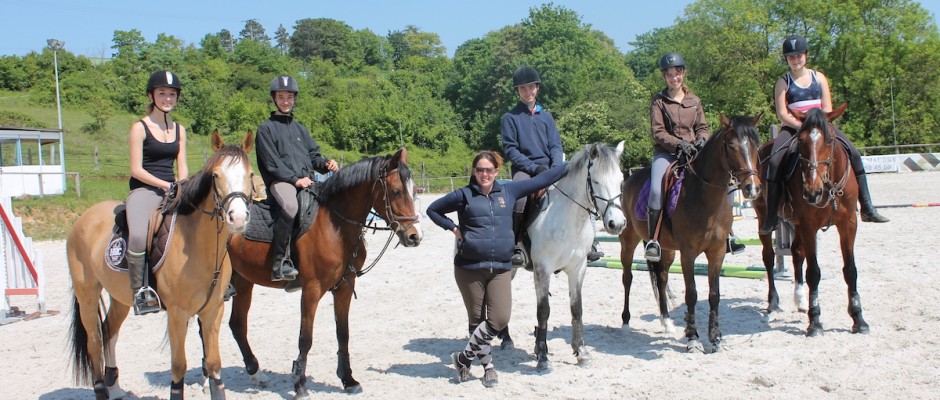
point(672, 122)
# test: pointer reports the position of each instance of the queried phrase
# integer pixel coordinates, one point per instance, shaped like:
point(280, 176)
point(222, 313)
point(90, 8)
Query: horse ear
point(217, 142)
point(402, 155)
point(248, 142)
point(756, 119)
point(592, 150)
point(725, 121)
point(837, 112)
point(620, 148)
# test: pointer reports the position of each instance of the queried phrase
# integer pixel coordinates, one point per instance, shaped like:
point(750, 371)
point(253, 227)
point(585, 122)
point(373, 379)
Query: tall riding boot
point(868, 212)
point(653, 251)
point(594, 254)
point(518, 256)
point(282, 268)
point(144, 299)
point(771, 220)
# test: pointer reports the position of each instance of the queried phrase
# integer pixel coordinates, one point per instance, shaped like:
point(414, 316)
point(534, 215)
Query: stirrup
point(518, 258)
point(229, 292)
point(653, 251)
point(284, 271)
point(146, 301)
point(734, 247)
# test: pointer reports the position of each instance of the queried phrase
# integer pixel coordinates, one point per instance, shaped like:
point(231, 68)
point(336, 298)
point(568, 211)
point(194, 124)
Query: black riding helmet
point(163, 79)
point(525, 75)
point(671, 60)
point(794, 44)
point(284, 83)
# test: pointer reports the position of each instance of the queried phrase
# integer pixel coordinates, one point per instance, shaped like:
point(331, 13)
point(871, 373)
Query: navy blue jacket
point(530, 139)
point(286, 151)
point(486, 221)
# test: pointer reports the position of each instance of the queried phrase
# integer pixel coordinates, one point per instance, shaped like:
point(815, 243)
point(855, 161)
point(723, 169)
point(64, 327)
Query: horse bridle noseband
point(834, 189)
point(594, 210)
point(735, 175)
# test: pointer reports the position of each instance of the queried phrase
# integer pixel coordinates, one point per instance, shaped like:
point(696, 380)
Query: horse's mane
point(194, 189)
point(356, 173)
point(606, 158)
point(743, 126)
point(816, 118)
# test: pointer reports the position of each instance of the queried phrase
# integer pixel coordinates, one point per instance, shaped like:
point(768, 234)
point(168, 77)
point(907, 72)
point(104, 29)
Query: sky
point(87, 27)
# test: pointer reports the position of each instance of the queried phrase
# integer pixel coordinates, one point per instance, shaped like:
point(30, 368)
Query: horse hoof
point(259, 378)
point(669, 326)
point(507, 345)
point(585, 360)
point(716, 347)
point(694, 346)
point(542, 366)
point(814, 331)
point(354, 389)
point(301, 397)
point(862, 328)
point(115, 392)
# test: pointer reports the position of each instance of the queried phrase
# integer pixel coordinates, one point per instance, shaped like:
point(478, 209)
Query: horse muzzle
point(750, 191)
point(813, 197)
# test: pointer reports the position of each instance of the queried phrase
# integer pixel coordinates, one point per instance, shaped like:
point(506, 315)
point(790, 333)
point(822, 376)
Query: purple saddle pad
point(643, 199)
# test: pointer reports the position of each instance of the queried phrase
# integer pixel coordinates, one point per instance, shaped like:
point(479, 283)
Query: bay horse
point(700, 223)
point(329, 256)
point(563, 230)
point(822, 194)
point(209, 206)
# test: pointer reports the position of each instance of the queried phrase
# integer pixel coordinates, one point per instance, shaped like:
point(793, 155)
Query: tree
point(228, 42)
point(322, 38)
point(282, 39)
point(255, 31)
point(412, 42)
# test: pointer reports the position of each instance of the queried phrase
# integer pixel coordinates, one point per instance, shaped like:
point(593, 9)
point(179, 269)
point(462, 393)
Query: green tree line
point(367, 93)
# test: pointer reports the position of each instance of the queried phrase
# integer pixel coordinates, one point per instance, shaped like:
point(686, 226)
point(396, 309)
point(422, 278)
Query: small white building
point(31, 162)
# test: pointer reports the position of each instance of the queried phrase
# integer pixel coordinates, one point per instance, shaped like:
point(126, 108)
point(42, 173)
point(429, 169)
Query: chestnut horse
point(700, 224)
point(329, 256)
point(190, 282)
point(822, 194)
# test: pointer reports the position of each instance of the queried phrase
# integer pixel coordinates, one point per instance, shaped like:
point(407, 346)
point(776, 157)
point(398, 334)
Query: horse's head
point(395, 202)
point(604, 178)
point(815, 141)
point(739, 140)
point(231, 174)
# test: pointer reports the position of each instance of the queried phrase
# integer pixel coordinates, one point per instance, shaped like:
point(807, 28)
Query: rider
point(482, 265)
point(155, 142)
point(532, 143)
point(287, 156)
point(803, 89)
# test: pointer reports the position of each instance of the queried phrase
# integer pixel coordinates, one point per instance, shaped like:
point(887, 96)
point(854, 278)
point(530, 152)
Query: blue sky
point(87, 27)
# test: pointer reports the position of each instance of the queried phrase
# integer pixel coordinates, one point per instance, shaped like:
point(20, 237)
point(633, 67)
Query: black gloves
point(540, 169)
point(686, 148)
point(700, 143)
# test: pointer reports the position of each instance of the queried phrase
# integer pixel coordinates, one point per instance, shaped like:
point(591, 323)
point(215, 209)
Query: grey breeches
point(141, 203)
point(285, 195)
point(520, 203)
point(661, 163)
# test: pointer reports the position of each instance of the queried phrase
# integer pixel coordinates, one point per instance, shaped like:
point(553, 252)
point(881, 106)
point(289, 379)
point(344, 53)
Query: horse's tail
point(82, 367)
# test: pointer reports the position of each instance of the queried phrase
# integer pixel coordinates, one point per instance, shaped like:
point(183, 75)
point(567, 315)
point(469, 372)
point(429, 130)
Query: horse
point(329, 256)
point(828, 194)
point(700, 223)
point(589, 189)
point(191, 280)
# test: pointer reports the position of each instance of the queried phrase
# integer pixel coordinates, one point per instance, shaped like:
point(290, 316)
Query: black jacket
point(286, 151)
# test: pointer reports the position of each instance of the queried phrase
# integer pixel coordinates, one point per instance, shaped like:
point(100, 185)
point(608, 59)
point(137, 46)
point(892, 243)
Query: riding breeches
point(660, 165)
point(140, 205)
point(779, 152)
point(520, 202)
point(285, 195)
point(486, 290)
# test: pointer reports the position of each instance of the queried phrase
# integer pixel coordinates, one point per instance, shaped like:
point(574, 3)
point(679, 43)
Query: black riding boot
point(653, 251)
point(144, 299)
point(771, 220)
point(594, 254)
point(868, 211)
point(518, 256)
point(282, 269)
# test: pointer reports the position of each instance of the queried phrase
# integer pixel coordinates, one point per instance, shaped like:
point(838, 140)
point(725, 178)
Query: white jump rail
point(21, 272)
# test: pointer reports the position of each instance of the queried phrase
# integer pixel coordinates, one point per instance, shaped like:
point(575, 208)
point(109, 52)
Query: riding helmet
point(525, 75)
point(671, 60)
point(794, 44)
point(163, 79)
point(284, 83)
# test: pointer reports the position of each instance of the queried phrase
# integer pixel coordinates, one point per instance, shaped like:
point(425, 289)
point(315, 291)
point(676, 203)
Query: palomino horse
point(700, 223)
point(190, 282)
point(562, 232)
point(828, 194)
point(329, 256)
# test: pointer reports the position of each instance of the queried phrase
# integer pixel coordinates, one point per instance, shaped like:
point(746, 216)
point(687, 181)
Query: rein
point(834, 190)
point(612, 202)
point(220, 206)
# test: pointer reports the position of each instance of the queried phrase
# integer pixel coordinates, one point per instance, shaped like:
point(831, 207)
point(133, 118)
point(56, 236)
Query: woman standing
point(156, 142)
point(485, 242)
point(803, 89)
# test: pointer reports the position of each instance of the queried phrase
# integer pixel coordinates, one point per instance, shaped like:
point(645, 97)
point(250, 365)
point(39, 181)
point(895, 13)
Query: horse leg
point(659, 274)
point(715, 258)
point(769, 257)
point(813, 275)
point(117, 313)
point(799, 281)
point(691, 297)
point(628, 242)
point(847, 232)
point(575, 282)
point(342, 301)
point(86, 340)
point(309, 300)
point(176, 328)
point(238, 324)
point(542, 312)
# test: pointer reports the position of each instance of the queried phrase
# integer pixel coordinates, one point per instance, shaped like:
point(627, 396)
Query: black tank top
point(158, 157)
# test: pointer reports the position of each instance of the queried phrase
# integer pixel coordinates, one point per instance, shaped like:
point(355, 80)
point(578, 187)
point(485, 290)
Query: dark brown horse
point(700, 223)
point(329, 256)
point(190, 282)
point(823, 193)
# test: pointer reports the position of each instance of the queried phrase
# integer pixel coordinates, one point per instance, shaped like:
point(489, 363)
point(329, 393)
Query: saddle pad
point(672, 194)
point(261, 224)
point(115, 254)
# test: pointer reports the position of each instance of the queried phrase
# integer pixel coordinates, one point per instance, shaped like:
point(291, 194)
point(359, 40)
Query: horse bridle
point(594, 210)
point(834, 189)
point(735, 175)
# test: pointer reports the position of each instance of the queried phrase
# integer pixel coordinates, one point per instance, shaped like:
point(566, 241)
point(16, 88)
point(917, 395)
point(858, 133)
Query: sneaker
point(463, 371)
point(489, 378)
point(735, 247)
point(653, 252)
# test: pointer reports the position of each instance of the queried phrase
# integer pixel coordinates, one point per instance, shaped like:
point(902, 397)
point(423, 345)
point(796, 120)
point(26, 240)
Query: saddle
point(261, 223)
point(672, 186)
point(534, 205)
point(160, 231)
